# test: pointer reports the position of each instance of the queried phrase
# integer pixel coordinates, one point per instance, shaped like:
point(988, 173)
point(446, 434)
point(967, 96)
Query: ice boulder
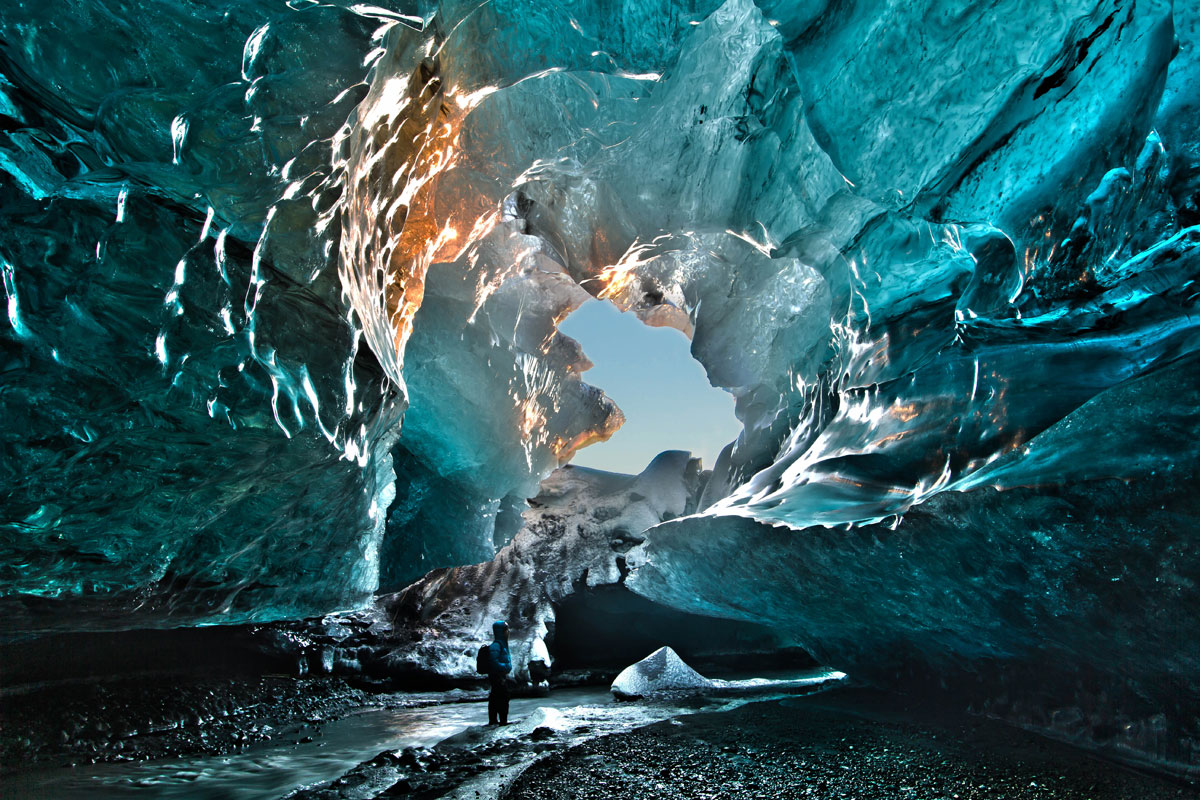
point(661, 671)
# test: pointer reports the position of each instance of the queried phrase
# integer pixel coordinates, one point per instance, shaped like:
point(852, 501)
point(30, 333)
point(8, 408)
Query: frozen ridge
point(661, 671)
point(664, 672)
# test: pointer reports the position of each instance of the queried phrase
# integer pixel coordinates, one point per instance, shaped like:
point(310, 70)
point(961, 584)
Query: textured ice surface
point(575, 534)
point(1058, 605)
point(188, 428)
point(661, 671)
point(664, 672)
point(944, 258)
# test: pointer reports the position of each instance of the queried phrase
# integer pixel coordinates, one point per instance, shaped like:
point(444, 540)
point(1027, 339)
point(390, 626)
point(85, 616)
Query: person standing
point(499, 665)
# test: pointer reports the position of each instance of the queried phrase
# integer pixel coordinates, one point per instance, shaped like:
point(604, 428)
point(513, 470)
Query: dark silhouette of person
point(499, 665)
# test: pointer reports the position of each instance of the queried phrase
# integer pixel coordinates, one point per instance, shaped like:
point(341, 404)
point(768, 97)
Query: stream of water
point(280, 768)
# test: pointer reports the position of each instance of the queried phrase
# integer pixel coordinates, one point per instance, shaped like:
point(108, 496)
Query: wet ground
point(281, 766)
point(839, 744)
point(432, 743)
point(160, 716)
point(580, 743)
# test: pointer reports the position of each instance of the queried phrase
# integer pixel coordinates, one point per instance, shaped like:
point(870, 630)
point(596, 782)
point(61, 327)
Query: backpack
point(483, 660)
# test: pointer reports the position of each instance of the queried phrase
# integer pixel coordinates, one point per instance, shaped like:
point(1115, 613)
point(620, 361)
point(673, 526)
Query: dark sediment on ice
point(838, 744)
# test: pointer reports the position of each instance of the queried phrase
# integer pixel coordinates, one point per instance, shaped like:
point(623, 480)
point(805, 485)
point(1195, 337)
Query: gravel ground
point(159, 716)
point(834, 745)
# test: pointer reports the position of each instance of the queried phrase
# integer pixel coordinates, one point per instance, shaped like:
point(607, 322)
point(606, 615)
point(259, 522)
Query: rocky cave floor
point(839, 744)
point(158, 716)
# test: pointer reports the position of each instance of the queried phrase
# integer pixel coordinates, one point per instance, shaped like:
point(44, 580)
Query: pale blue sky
point(651, 375)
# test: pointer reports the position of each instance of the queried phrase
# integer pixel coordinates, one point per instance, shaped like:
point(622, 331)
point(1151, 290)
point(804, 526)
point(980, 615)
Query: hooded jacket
point(501, 660)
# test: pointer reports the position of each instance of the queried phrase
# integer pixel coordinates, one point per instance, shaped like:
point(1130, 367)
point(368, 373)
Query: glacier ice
point(188, 418)
point(282, 284)
point(558, 583)
point(661, 671)
point(575, 535)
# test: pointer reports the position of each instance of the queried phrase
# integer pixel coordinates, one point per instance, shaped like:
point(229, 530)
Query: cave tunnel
point(606, 628)
point(282, 376)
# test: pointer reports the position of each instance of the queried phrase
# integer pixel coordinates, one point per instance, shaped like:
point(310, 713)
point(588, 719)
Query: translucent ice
point(575, 535)
point(943, 256)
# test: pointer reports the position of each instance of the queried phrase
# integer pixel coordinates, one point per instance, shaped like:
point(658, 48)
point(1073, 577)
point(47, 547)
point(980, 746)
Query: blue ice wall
point(189, 430)
point(257, 254)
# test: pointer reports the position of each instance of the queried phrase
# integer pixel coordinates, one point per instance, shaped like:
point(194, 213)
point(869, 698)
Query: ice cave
point(293, 412)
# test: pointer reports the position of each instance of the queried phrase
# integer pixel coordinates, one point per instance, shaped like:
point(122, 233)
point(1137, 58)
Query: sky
point(651, 375)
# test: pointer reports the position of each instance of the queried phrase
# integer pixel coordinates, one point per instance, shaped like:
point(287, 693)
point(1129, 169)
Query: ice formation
point(282, 283)
point(575, 535)
point(661, 671)
point(664, 672)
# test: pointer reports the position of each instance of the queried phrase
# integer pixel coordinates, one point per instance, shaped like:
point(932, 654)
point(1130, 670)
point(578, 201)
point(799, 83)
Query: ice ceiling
point(282, 285)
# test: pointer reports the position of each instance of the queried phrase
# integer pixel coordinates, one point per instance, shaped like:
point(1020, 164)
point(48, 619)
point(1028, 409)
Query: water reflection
point(282, 768)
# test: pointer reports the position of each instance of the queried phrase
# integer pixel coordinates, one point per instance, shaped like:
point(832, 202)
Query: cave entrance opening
point(651, 375)
point(609, 628)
